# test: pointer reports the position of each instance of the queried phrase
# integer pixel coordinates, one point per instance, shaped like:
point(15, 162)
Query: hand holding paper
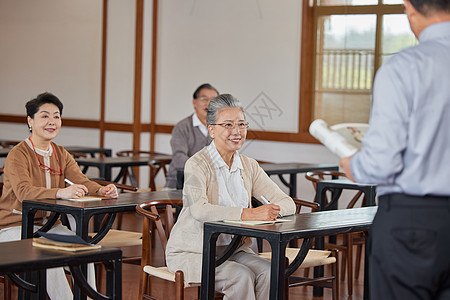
point(341, 139)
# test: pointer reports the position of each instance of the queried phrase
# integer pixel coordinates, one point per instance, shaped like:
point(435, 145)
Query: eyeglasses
point(205, 99)
point(44, 167)
point(231, 125)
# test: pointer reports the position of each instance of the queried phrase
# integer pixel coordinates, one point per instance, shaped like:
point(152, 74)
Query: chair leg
point(7, 289)
point(344, 255)
point(286, 282)
point(335, 273)
point(179, 285)
point(144, 285)
point(99, 274)
point(358, 260)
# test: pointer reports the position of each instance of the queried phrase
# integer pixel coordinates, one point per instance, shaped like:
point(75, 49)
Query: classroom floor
point(165, 291)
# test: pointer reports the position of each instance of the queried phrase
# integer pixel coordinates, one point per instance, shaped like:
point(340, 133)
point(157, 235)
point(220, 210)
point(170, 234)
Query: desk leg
point(82, 231)
point(114, 279)
point(318, 271)
point(27, 222)
point(208, 264)
point(293, 185)
point(277, 271)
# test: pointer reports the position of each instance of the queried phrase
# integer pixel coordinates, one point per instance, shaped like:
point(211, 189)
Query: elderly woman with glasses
point(36, 168)
point(219, 184)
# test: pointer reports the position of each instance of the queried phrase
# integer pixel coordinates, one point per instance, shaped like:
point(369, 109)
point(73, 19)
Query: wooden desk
point(90, 150)
point(21, 257)
point(303, 226)
point(105, 164)
point(336, 186)
point(280, 169)
point(292, 169)
point(83, 211)
point(4, 152)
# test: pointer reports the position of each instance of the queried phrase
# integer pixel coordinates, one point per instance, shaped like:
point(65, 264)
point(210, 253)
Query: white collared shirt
point(232, 192)
point(197, 123)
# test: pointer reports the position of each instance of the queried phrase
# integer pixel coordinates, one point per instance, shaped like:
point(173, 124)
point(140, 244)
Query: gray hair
point(218, 103)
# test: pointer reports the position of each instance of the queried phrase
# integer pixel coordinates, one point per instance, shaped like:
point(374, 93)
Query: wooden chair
point(118, 238)
point(152, 214)
point(314, 258)
point(155, 167)
point(8, 144)
point(345, 245)
point(77, 154)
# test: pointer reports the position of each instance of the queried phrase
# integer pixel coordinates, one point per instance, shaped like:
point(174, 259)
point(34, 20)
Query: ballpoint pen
point(71, 183)
point(267, 202)
point(264, 199)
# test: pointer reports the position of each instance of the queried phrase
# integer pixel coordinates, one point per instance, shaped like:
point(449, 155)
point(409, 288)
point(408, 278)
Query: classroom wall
point(248, 48)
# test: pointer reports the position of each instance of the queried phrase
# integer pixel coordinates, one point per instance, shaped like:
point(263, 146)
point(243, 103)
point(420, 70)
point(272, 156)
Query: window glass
point(396, 35)
point(392, 1)
point(344, 68)
point(347, 2)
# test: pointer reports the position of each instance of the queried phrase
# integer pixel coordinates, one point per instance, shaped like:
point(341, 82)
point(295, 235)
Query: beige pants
point(244, 276)
point(57, 286)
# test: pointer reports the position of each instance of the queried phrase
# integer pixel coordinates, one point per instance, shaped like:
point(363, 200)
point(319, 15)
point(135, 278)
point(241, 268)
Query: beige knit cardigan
point(200, 204)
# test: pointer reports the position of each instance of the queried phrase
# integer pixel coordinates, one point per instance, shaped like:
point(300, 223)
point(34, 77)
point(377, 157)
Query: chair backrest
point(121, 187)
point(8, 144)
point(137, 152)
point(77, 154)
point(303, 203)
point(316, 176)
point(152, 211)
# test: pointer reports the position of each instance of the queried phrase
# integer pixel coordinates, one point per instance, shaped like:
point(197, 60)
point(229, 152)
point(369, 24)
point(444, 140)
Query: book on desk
point(72, 243)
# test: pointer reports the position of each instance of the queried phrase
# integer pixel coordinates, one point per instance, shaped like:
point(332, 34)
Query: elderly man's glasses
point(231, 125)
point(205, 99)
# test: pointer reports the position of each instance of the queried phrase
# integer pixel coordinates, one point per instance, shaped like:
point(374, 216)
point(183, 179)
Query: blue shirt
point(407, 147)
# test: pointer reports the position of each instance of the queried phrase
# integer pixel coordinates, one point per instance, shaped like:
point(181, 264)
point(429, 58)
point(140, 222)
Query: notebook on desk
point(72, 243)
point(85, 198)
point(239, 222)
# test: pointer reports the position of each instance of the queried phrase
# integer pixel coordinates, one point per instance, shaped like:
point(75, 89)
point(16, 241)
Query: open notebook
point(256, 222)
point(85, 198)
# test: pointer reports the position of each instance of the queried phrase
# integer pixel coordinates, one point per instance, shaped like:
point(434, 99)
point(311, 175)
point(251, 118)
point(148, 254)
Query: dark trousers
point(409, 248)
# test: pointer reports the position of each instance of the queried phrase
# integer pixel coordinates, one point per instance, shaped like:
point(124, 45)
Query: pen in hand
point(267, 202)
point(71, 183)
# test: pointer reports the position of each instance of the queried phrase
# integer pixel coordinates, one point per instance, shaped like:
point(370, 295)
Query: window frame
point(311, 12)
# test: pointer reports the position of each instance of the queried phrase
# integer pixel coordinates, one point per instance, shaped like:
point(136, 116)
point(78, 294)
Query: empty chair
point(118, 238)
point(9, 144)
point(152, 213)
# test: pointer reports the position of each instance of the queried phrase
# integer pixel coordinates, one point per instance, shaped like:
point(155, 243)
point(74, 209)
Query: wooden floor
point(165, 291)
